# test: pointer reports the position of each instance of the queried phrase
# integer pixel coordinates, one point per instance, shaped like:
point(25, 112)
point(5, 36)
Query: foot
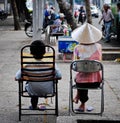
point(107, 41)
point(75, 100)
point(42, 107)
point(32, 108)
point(90, 108)
point(81, 108)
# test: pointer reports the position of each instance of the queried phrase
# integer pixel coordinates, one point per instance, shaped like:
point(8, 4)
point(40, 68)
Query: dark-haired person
point(118, 22)
point(36, 89)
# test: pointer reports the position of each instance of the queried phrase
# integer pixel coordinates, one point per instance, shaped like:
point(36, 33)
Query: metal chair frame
point(86, 66)
point(27, 76)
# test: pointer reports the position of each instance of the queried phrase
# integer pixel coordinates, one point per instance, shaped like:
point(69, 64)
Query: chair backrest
point(86, 66)
point(37, 70)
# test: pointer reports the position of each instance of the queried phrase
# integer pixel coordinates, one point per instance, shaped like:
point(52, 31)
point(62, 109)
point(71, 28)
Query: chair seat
point(85, 88)
point(56, 34)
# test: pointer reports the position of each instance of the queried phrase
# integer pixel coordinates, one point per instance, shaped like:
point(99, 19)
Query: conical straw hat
point(87, 34)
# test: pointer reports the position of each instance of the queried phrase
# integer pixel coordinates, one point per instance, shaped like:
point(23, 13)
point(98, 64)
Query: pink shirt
point(88, 52)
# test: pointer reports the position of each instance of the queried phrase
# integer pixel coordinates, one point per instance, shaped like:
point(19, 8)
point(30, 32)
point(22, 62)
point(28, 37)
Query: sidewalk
point(10, 45)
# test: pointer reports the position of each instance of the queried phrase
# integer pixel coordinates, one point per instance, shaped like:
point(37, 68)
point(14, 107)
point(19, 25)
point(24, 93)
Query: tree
point(88, 12)
point(23, 12)
point(15, 15)
point(67, 10)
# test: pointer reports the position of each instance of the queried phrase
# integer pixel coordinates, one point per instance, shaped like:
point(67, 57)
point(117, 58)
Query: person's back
point(88, 52)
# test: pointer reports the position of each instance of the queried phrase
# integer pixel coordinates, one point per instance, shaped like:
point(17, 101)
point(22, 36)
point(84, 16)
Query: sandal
point(90, 108)
point(81, 108)
point(31, 108)
point(42, 107)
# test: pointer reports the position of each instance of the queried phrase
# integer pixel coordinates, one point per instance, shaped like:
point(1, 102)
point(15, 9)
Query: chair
point(38, 71)
point(50, 34)
point(85, 66)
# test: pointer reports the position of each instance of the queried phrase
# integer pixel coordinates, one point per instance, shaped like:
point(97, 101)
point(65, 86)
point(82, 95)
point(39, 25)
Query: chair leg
point(102, 100)
point(19, 103)
point(56, 102)
point(70, 100)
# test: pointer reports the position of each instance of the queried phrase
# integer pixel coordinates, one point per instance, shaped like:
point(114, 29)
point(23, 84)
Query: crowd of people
point(88, 49)
point(52, 18)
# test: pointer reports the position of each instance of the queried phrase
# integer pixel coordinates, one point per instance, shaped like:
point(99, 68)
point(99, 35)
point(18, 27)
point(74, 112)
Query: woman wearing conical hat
point(87, 35)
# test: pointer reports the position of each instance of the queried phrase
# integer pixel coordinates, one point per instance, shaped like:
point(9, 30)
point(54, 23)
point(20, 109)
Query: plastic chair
point(38, 71)
point(85, 66)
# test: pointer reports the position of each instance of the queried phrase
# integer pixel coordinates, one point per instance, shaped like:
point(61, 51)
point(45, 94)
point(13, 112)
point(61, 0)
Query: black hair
point(118, 5)
point(37, 49)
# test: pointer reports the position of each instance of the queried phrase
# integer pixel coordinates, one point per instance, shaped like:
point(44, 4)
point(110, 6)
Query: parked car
point(94, 11)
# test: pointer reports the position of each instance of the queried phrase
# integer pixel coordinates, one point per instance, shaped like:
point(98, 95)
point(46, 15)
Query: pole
point(6, 5)
point(38, 8)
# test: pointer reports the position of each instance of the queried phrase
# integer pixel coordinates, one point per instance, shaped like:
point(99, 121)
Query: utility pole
point(6, 5)
point(38, 8)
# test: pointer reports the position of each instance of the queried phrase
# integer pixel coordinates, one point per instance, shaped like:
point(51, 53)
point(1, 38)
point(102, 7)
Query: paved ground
point(10, 44)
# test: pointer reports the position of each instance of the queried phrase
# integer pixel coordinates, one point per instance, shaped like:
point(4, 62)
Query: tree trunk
point(66, 9)
point(22, 10)
point(88, 12)
point(15, 15)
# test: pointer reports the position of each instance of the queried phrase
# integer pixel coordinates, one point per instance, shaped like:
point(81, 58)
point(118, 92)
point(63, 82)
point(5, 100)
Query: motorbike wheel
point(29, 31)
point(3, 17)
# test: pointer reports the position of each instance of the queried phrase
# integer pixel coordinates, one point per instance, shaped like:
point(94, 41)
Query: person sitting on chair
point(56, 27)
point(36, 89)
point(87, 35)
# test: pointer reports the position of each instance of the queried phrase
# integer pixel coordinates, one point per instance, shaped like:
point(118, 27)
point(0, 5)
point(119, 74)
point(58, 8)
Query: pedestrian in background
point(108, 19)
point(46, 20)
point(82, 15)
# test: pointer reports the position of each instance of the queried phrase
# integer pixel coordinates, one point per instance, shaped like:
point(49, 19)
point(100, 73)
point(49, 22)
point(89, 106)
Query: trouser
point(34, 101)
point(118, 32)
point(83, 94)
point(107, 30)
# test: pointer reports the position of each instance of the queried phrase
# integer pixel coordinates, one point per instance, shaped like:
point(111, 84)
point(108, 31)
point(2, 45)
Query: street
point(10, 44)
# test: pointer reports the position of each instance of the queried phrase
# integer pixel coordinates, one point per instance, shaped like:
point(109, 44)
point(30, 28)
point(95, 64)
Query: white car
point(94, 11)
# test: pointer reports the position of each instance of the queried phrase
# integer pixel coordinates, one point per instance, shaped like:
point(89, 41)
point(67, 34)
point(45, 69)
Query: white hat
point(62, 15)
point(87, 34)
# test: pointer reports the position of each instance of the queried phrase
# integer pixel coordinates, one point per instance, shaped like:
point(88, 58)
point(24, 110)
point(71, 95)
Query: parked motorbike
point(28, 28)
point(3, 15)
